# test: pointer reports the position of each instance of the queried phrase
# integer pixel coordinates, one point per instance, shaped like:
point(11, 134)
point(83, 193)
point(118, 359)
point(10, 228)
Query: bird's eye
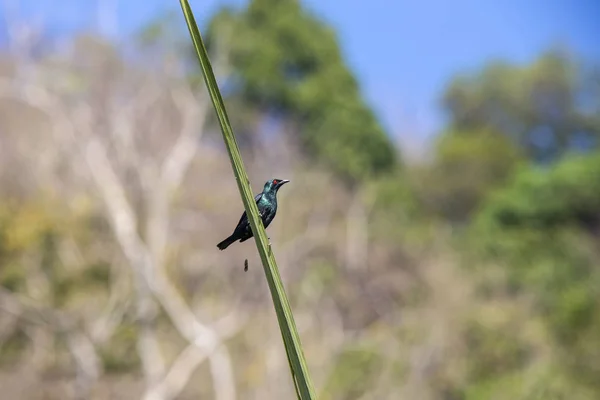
point(275, 181)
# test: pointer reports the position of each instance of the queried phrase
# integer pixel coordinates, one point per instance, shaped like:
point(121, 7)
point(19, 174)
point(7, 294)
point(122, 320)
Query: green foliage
point(532, 385)
point(97, 274)
point(162, 30)
point(120, 354)
point(397, 213)
point(467, 166)
point(494, 350)
point(12, 348)
point(27, 229)
point(539, 106)
point(544, 228)
point(288, 65)
point(355, 371)
point(31, 234)
point(565, 194)
point(12, 276)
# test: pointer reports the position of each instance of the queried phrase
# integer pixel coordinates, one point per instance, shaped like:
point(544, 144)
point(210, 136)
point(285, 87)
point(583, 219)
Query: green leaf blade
point(287, 325)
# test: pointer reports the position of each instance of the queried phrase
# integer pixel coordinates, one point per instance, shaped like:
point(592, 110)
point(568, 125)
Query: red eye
point(275, 181)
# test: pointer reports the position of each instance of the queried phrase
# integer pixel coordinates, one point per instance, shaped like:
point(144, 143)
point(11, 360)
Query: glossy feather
point(266, 203)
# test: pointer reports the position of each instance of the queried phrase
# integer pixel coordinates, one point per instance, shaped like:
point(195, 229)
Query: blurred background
point(439, 239)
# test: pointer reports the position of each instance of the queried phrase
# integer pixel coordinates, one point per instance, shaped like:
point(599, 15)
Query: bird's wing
point(257, 199)
point(244, 218)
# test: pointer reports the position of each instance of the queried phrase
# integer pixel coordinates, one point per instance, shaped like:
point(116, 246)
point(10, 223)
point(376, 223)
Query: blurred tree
point(547, 107)
point(467, 166)
point(567, 195)
point(287, 69)
point(38, 239)
point(354, 372)
point(544, 227)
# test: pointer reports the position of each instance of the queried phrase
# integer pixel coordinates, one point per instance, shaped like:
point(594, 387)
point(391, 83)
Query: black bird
point(267, 208)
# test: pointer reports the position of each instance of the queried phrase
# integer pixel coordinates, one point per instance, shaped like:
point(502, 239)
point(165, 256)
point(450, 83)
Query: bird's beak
point(283, 182)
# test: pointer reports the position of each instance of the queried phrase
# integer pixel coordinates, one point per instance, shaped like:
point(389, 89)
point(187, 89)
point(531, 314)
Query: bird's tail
point(225, 243)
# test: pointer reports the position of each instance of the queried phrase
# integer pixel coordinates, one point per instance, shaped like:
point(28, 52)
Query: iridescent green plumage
point(267, 207)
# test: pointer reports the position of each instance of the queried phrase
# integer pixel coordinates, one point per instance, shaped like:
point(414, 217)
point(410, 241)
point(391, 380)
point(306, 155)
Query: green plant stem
point(289, 332)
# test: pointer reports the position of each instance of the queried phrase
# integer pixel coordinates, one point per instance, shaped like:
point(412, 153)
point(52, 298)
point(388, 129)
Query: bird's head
point(273, 185)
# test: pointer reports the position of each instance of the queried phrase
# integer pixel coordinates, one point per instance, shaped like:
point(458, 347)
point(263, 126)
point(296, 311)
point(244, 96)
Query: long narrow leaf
point(289, 332)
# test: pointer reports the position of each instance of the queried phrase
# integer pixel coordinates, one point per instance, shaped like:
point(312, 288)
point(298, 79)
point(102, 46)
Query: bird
point(266, 201)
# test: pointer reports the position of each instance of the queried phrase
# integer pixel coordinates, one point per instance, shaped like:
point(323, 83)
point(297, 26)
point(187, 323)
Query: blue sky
point(403, 52)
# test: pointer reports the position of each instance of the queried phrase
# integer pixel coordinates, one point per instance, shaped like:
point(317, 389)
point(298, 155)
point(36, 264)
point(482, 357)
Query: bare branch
point(118, 303)
point(174, 167)
point(74, 125)
point(86, 361)
point(125, 226)
point(178, 375)
point(81, 348)
point(190, 358)
point(193, 113)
